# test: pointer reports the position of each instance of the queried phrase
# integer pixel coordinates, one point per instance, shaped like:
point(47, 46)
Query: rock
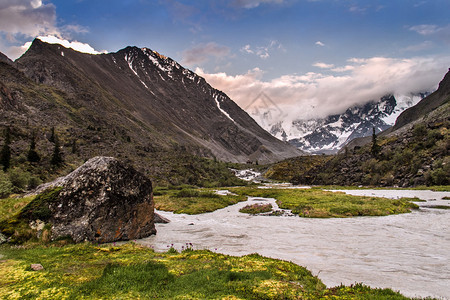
point(3, 238)
point(36, 267)
point(160, 219)
point(102, 201)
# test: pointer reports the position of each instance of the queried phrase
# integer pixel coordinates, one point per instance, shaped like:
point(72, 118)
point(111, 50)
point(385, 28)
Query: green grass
point(193, 201)
point(316, 203)
point(256, 208)
point(13, 205)
point(130, 271)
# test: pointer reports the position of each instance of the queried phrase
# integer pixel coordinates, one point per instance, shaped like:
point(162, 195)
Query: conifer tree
point(5, 155)
point(33, 156)
point(57, 159)
point(375, 147)
point(52, 135)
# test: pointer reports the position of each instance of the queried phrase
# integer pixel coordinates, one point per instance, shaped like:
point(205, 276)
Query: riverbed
point(408, 252)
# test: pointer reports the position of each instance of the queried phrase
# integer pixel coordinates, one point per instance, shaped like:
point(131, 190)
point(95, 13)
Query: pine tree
point(5, 155)
point(52, 135)
point(74, 146)
point(375, 147)
point(57, 159)
point(33, 156)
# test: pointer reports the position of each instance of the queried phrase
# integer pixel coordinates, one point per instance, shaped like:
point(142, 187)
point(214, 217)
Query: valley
point(223, 187)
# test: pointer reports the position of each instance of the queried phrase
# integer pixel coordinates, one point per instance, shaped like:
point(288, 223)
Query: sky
point(310, 58)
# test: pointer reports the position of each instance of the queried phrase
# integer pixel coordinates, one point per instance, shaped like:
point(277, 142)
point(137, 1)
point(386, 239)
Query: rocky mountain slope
point(134, 104)
point(156, 98)
point(414, 152)
point(328, 135)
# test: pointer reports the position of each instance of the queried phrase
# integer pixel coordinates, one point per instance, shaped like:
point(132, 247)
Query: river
point(409, 253)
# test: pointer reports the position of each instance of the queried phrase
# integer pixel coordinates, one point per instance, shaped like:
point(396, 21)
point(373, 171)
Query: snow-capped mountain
point(328, 135)
point(141, 98)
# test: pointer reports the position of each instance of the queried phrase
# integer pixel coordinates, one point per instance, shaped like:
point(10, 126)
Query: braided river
point(409, 253)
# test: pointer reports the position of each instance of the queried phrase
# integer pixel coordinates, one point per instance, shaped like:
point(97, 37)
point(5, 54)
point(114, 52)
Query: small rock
point(160, 219)
point(3, 238)
point(36, 267)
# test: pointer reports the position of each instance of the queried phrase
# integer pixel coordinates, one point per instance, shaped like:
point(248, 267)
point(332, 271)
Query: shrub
point(34, 182)
point(6, 187)
point(440, 176)
point(256, 208)
point(19, 179)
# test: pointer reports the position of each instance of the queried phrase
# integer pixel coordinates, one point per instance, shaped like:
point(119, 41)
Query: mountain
point(328, 135)
point(134, 104)
point(415, 151)
point(424, 107)
point(5, 59)
point(155, 99)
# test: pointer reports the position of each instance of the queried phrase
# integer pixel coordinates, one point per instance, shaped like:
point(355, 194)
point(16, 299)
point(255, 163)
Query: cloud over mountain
point(27, 17)
point(317, 94)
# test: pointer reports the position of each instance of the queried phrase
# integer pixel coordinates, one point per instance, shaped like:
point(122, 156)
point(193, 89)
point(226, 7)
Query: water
point(408, 252)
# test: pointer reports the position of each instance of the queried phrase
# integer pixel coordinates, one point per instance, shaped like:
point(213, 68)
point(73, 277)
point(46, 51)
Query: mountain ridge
point(158, 93)
point(330, 134)
point(416, 153)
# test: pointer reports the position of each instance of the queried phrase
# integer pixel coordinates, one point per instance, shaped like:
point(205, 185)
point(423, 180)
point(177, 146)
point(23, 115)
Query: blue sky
point(326, 54)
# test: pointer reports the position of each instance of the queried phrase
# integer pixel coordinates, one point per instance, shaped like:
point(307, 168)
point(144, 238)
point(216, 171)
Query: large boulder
point(104, 200)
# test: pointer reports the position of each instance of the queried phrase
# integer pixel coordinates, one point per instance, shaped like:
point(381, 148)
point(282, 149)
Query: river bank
point(406, 252)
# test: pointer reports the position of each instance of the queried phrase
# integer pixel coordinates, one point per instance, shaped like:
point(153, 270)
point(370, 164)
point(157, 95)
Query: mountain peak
point(5, 59)
point(155, 98)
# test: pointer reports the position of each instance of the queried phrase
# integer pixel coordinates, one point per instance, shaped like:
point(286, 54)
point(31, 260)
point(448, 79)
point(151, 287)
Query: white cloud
point(343, 69)
point(419, 47)
point(425, 29)
point(253, 3)
point(319, 43)
point(203, 52)
point(431, 30)
point(318, 95)
point(75, 45)
point(357, 9)
point(247, 49)
point(23, 20)
point(263, 52)
point(322, 65)
point(27, 17)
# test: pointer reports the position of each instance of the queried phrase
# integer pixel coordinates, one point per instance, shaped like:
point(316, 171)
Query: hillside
point(415, 153)
point(133, 104)
point(154, 99)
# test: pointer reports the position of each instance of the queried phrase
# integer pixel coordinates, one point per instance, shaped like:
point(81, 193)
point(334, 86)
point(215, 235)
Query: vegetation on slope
point(413, 158)
point(164, 167)
point(135, 272)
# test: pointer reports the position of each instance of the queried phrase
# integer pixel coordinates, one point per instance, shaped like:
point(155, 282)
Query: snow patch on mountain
point(216, 98)
point(328, 135)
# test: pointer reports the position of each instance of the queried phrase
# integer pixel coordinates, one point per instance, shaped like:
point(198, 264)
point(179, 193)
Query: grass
point(130, 271)
point(312, 203)
point(254, 209)
point(12, 205)
point(18, 212)
point(193, 201)
point(316, 203)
